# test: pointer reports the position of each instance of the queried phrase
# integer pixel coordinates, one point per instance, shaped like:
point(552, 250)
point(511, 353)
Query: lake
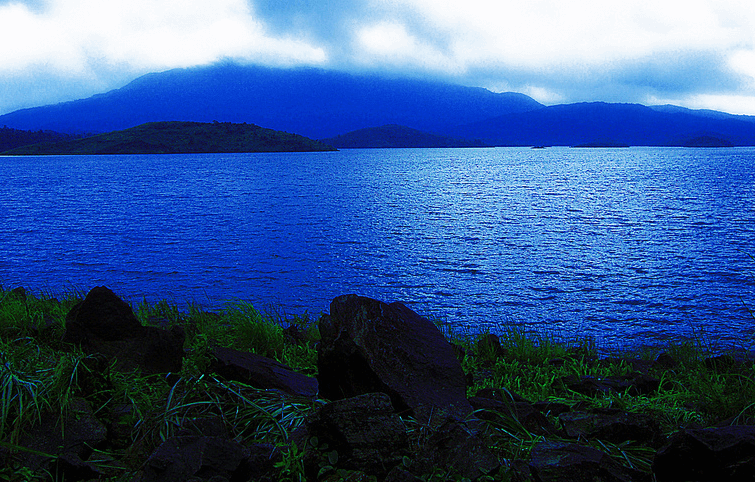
point(632, 247)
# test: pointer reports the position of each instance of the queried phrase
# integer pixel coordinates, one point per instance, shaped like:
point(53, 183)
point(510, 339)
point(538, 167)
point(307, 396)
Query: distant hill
point(630, 124)
point(324, 104)
point(12, 138)
point(393, 135)
point(312, 102)
point(179, 138)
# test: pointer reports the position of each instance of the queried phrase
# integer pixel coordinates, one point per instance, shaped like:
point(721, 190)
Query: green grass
point(39, 375)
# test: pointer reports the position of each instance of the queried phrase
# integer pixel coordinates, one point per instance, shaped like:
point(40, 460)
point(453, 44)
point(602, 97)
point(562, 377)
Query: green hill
point(180, 138)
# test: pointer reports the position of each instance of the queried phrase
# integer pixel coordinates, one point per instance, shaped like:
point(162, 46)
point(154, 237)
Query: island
point(178, 137)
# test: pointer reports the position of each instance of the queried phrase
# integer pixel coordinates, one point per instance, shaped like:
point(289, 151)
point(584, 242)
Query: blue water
point(629, 246)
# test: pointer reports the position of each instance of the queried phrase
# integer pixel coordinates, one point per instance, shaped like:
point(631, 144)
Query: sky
point(694, 53)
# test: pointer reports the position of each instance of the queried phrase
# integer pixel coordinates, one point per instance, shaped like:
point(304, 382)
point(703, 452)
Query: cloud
point(99, 43)
point(632, 51)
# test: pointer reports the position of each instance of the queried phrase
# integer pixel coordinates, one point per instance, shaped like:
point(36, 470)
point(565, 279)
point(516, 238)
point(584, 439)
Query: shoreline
point(532, 396)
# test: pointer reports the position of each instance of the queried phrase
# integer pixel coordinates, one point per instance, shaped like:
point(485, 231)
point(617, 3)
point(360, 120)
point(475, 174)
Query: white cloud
point(390, 44)
point(140, 34)
point(555, 51)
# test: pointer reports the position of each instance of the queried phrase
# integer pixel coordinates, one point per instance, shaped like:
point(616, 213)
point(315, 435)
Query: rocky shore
point(380, 394)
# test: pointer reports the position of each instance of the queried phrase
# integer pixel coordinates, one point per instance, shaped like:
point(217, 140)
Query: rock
point(369, 346)
point(510, 404)
point(458, 450)
point(551, 408)
point(665, 360)
point(609, 424)
point(105, 324)
point(635, 384)
point(723, 453)
point(293, 335)
point(400, 474)
point(565, 462)
point(103, 315)
point(19, 293)
point(71, 468)
point(261, 372)
point(186, 457)
point(364, 431)
point(79, 433)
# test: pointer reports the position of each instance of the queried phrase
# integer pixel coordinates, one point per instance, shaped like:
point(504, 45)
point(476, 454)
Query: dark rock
point(105, 324)
point(293, 335)
point(181, 458)
point(609, 424)
point(365, 432)
point(19, 293)
point(369, 346)
point(564, 462)
point(261, 372)
point(492, 403)
point(551, 408)
point(457, 449)
point(665, 360)
point(400, 474)
point(635, 384)
point(725, 453)
point(103, 315)
point(71, 468)
point(459, 351)
point(79, 433)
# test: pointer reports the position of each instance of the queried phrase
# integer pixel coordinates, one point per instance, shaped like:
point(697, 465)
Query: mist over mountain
point(324, 104)
point(307, 101)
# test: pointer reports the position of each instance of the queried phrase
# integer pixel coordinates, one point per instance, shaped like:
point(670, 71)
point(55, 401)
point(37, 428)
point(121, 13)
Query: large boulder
point(105, 324)
point(370, 346)
point(261, 372)
point(722, 453)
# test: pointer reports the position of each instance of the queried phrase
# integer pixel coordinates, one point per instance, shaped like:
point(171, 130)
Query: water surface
point(629, 246)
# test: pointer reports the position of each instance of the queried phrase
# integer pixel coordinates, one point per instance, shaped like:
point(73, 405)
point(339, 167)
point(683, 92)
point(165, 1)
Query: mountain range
point(323, 104)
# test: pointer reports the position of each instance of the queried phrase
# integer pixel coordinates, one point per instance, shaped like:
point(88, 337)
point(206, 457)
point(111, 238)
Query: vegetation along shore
point(97, 389)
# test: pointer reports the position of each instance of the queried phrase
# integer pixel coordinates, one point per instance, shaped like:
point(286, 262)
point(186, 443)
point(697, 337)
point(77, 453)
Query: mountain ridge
point(308, 101)
point(322, 104)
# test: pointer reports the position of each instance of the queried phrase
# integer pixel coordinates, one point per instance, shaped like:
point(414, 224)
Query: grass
point(39, 375)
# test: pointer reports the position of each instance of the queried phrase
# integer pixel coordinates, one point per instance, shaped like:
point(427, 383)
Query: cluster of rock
point(398, 411)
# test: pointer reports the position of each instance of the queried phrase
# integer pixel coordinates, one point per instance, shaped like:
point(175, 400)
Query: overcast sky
point(694, 53)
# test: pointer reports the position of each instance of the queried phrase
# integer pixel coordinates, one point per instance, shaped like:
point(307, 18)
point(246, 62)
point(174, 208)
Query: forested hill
point(176, 137)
